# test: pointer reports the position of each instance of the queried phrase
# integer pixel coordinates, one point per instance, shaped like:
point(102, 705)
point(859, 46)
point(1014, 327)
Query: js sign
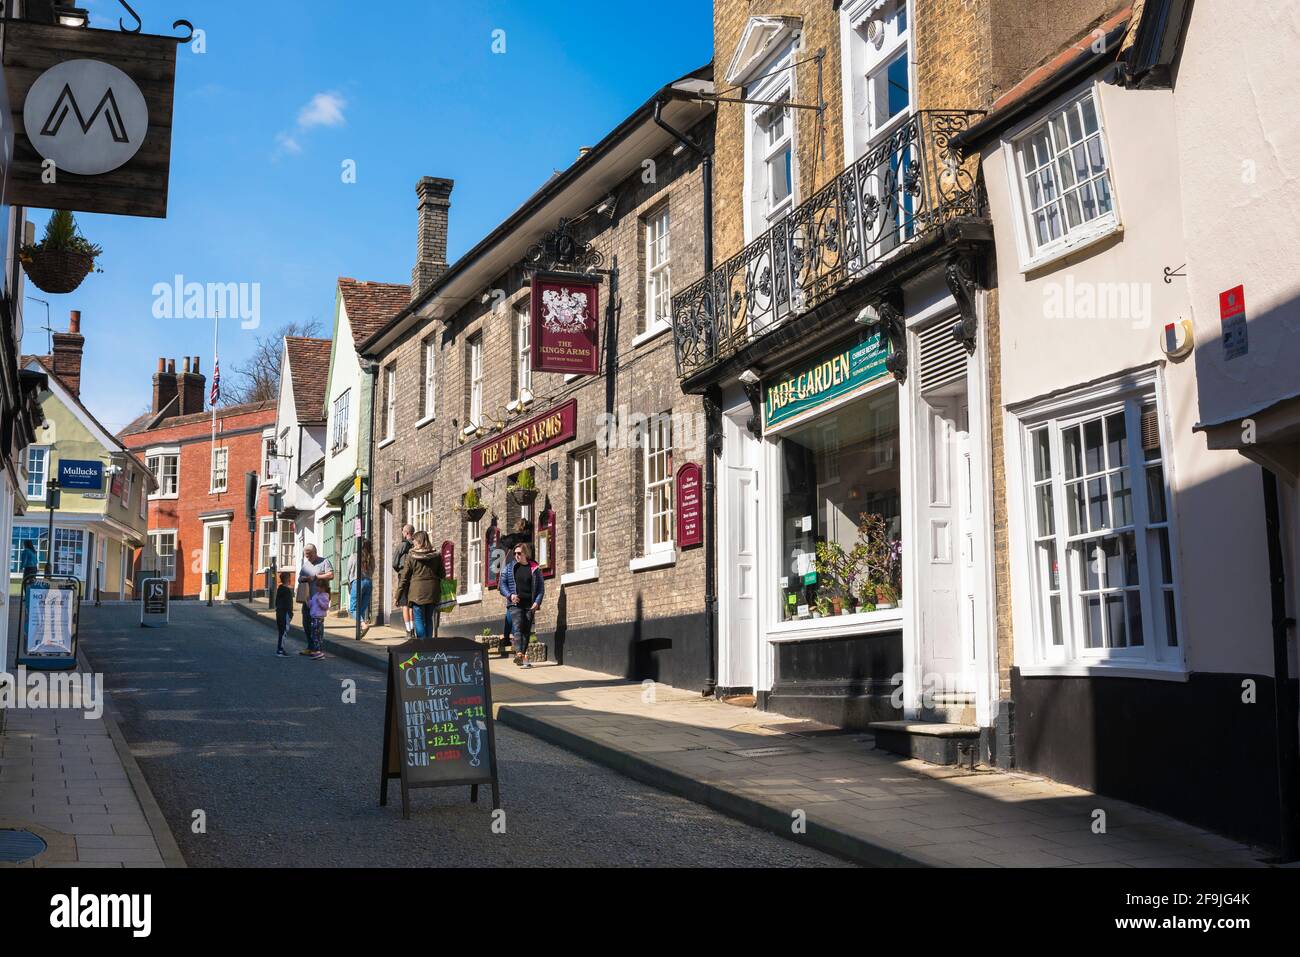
point(90, 116)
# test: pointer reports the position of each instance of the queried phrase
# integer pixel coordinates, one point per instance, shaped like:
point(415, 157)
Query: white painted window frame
point(657, 450)
point(523, 319)
point(429, 387)
point(44, 451)
point(476, 380)
point(162, 455)
point(586, 502)
point(1033, 257)
point(658, 272)
point(1035, 655)
point(154, 536)
point(220, 454)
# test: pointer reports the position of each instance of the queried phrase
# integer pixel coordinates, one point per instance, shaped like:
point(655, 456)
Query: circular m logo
point(87, 116)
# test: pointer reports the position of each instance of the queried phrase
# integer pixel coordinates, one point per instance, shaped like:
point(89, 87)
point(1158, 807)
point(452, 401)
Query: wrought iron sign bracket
point(139, 24)
point(560, 251)
point(960, 276)
point(754, 392)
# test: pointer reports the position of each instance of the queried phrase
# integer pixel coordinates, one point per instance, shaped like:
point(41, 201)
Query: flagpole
point(212, 448)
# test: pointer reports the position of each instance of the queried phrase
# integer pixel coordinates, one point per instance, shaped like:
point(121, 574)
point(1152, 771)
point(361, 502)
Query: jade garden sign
point(820, 380)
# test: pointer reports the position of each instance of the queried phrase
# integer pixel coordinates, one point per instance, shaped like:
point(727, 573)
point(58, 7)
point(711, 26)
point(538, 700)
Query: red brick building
point(198, 521)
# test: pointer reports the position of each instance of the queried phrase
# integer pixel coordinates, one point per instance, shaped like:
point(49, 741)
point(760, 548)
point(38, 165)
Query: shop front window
point(841, 511)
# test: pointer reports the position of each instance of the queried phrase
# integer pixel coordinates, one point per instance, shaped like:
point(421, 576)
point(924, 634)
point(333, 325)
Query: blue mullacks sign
point(81, 476)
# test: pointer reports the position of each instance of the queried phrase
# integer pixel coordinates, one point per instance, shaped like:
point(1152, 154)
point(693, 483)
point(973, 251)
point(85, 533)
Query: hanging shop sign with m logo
point(91, 112)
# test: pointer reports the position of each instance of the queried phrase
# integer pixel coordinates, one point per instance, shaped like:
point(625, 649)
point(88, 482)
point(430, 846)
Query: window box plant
point(63, 258)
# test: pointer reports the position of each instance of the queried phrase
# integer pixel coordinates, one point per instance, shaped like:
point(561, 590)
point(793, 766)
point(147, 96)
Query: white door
point(738, 557)
point(946, 648)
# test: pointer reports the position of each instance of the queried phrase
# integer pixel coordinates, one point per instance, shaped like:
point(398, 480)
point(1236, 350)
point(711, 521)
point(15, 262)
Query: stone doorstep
point(927, 729)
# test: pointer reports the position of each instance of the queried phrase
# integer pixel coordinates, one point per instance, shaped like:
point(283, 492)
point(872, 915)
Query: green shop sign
point(823, 379)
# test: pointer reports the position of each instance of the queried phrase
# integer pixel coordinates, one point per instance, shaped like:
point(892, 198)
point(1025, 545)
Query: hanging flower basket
point(522, 496)
point(57, 271)
point(62, 259)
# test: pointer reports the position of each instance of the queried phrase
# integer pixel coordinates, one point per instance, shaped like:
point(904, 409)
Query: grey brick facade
point(639, 624)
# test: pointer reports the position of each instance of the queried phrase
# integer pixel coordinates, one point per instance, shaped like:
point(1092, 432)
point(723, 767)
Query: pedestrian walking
point(361, 570)
point(319, 606)
point(314, 569)
point(399, 562)
point(520, 533)
point(523, 586)
point(422, 575)
point(283, 612)
point(30, 565)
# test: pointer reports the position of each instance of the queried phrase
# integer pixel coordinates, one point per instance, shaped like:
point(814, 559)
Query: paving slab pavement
point(73, 782)
point(831, 791)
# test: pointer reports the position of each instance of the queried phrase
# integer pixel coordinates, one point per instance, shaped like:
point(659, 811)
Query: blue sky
point(287, 91)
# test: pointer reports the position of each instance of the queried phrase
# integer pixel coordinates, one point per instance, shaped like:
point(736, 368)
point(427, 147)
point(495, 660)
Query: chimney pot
point(162, 366)
point(187, 365)
point(171, 366)
point(196, 365)
point(74, 322)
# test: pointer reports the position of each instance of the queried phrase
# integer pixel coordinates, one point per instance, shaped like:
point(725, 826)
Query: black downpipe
point(713, 425)
point(1286, 718)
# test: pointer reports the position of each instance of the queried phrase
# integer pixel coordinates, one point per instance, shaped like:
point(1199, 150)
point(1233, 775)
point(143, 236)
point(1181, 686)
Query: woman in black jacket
point(421, 585)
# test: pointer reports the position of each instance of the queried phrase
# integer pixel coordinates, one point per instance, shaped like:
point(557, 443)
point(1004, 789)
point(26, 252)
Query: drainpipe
point(367, 494)
point(712, 417)
point(1284, 706)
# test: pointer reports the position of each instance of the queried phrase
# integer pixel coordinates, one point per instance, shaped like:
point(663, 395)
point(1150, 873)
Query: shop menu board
point(438, 728)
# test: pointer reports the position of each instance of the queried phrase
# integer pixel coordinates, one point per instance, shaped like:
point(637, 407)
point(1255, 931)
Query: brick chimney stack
point(164, 387)
point(431, 246)
point(68, 347)
point(192, 387)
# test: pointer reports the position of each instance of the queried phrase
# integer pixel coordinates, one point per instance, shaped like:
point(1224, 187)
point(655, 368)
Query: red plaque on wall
point(449, 559)
point(566, 324)
point(690, 506)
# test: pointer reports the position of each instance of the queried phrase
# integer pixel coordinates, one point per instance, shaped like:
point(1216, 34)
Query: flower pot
point(536, 652)
point(57, 271)
point(474, 514)
point(837, 606)
point(523, 496)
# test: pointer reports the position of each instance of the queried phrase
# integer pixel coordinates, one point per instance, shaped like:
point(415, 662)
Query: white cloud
point(325, 109)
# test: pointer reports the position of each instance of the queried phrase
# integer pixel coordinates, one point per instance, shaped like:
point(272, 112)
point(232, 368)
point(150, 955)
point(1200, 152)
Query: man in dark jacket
point(523, 586)
point(399, 560)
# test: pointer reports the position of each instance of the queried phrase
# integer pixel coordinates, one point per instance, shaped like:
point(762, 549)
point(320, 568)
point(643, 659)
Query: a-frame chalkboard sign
point(438, 728)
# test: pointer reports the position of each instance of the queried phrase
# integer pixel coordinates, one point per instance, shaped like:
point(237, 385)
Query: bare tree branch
point(257, 378)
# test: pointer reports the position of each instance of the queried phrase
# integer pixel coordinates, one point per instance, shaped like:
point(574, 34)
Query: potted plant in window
point(523, 491)
point(62, 259)
point(881, 562)
point(472, 505)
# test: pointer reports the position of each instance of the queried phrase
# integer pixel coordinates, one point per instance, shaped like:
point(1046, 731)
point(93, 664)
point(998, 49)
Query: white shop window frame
point(1034, 654)
point(1031, 257)
point(770, 522)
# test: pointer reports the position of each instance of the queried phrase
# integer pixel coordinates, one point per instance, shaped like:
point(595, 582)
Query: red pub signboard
point(566, 330)
point(538, 434)
point(690, 506)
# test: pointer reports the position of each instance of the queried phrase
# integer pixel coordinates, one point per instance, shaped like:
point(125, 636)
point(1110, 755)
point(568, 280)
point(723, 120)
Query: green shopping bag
point(447, 599)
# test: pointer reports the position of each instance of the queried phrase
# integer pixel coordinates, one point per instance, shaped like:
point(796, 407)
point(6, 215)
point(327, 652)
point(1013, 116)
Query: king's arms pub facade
point(461, 408)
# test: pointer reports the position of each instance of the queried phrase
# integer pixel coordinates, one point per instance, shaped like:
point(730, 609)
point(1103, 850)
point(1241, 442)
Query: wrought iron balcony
point(888, 200)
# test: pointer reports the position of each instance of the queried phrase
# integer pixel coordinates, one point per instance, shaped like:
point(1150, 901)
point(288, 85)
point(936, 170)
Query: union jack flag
point(215, 395)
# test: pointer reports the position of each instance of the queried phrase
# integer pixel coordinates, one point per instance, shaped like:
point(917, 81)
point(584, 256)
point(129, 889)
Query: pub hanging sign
point(565, 324)
point(90, 113)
